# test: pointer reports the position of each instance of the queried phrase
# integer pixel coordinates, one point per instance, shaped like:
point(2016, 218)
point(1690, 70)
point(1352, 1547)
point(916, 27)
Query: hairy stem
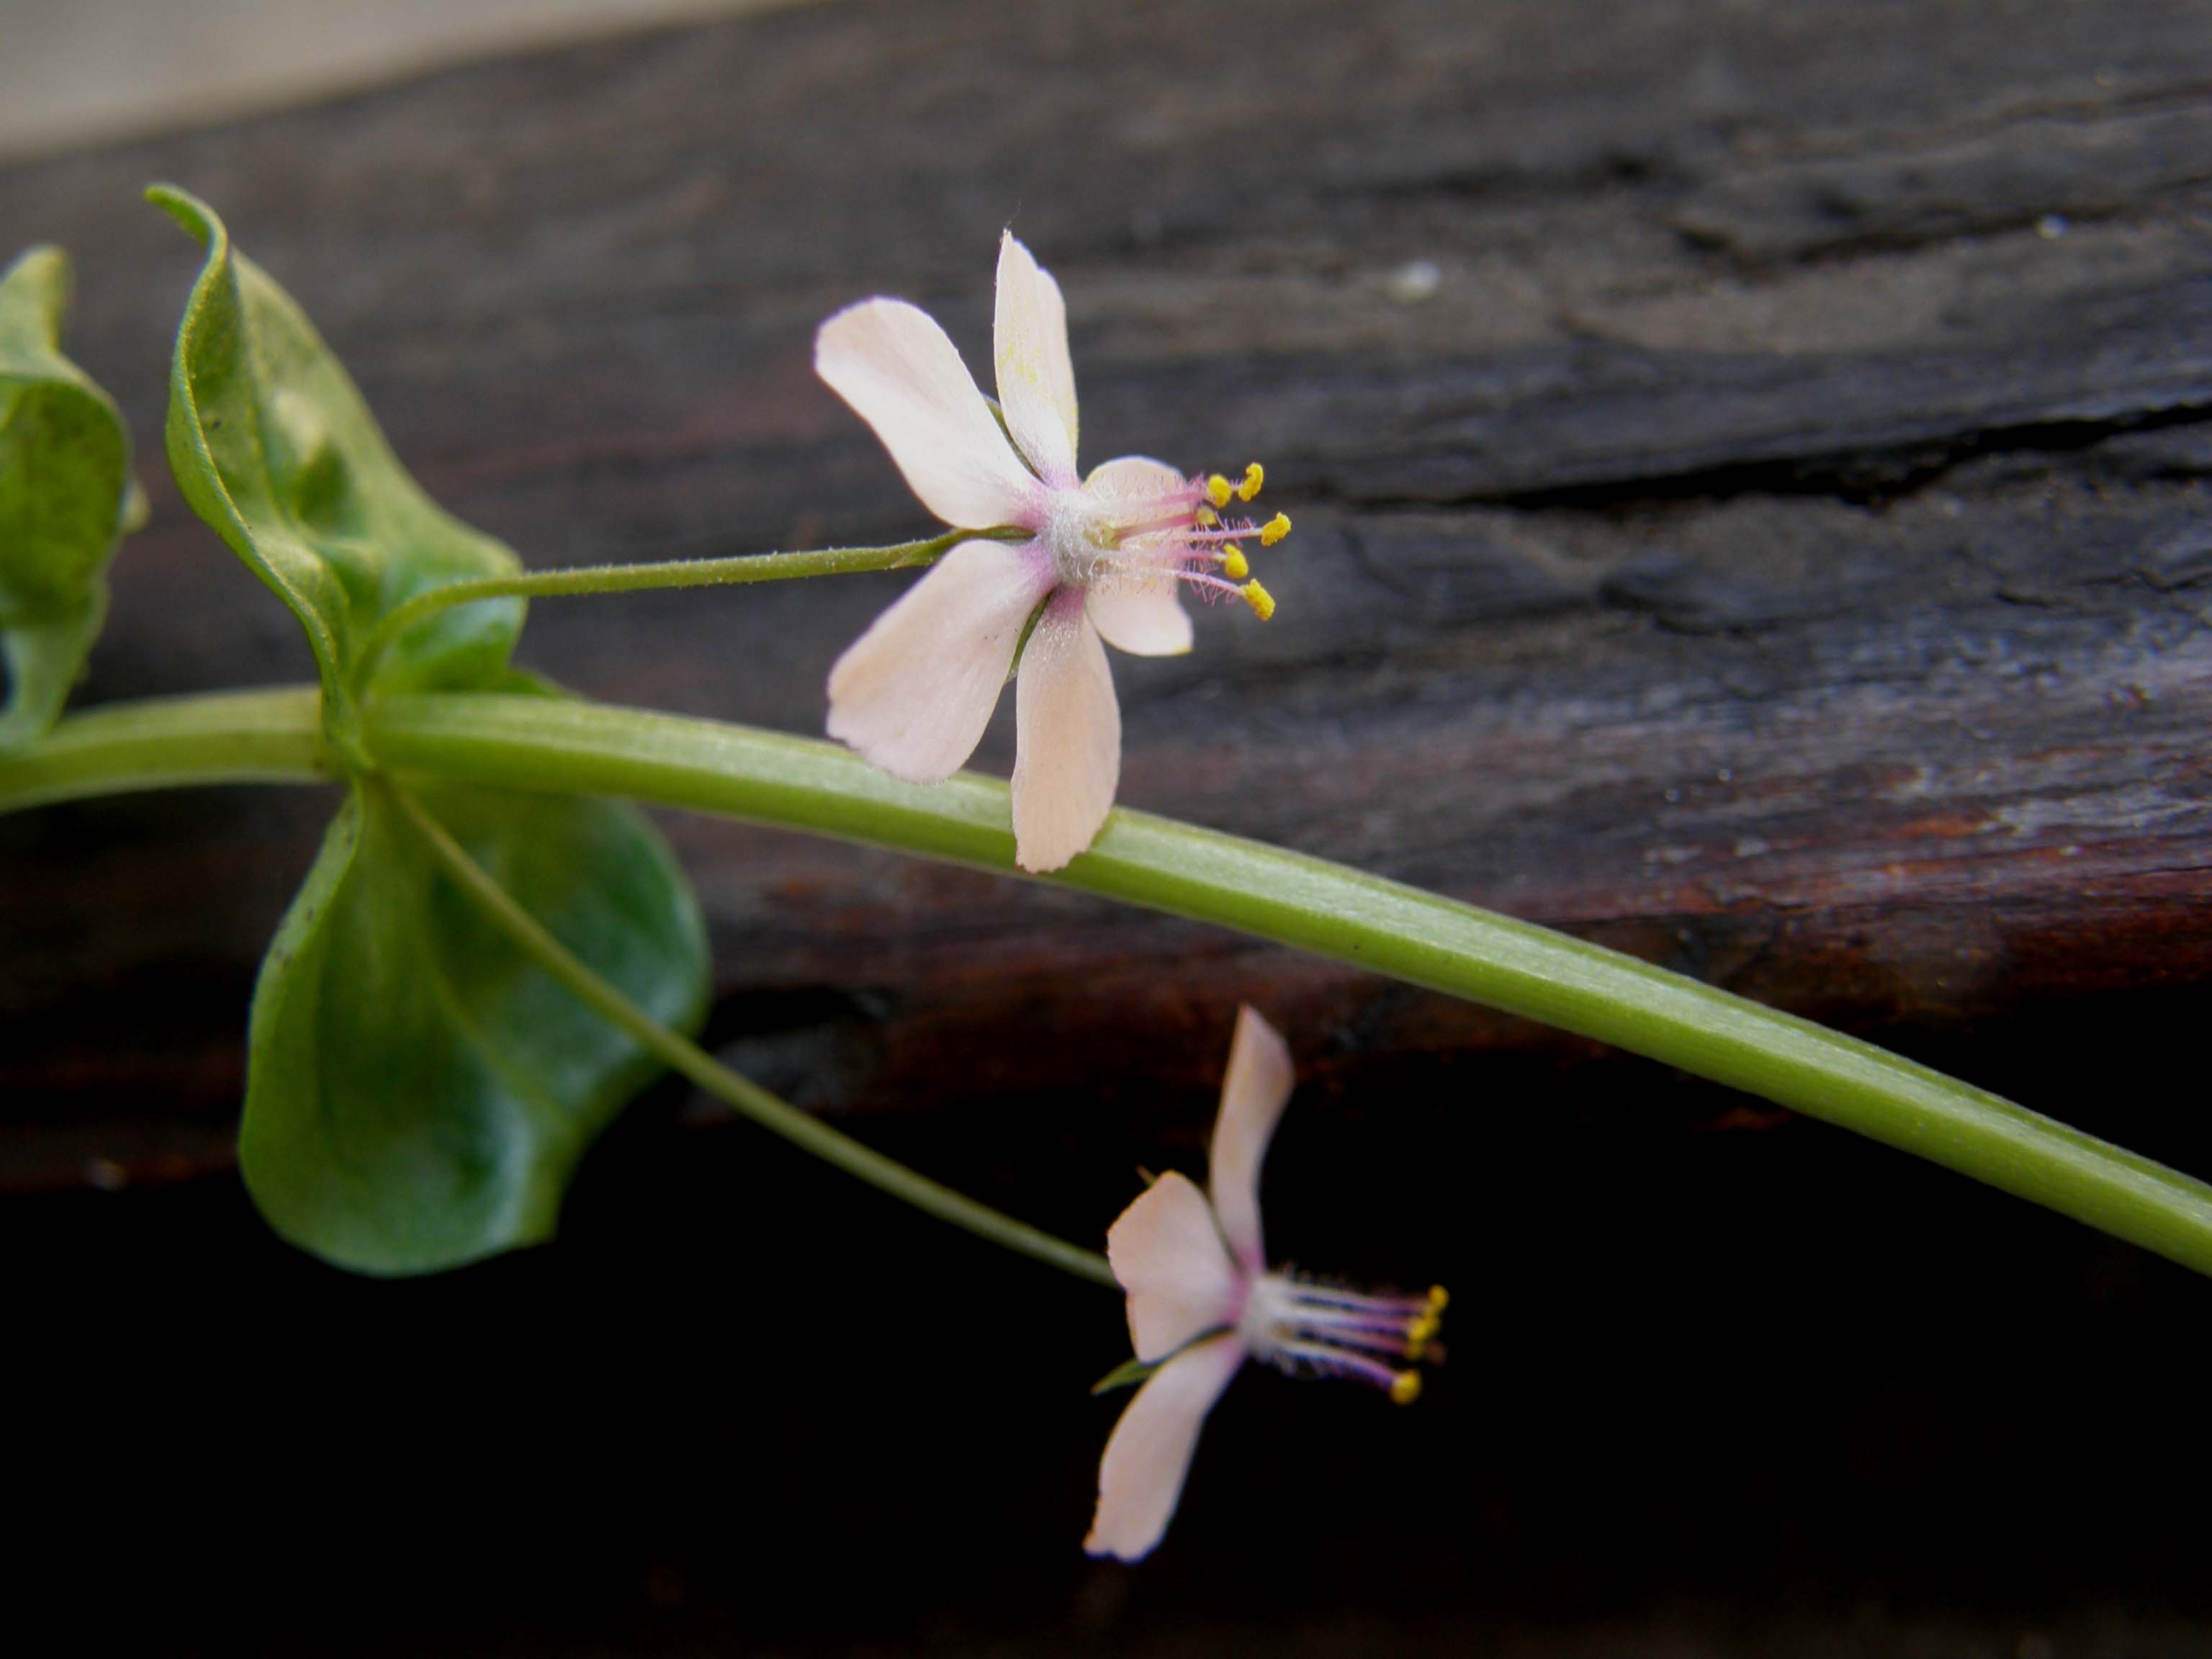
point(670, 572)
point(581, 748)
point(682, 1055)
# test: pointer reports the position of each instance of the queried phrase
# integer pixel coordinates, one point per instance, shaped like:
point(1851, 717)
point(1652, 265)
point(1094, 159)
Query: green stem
point(226, 737)
point(685, 1057)
point(581, 748)
point(670, 572)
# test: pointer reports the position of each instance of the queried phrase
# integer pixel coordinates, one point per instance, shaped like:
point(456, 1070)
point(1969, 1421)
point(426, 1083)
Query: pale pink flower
point(1202, 1301)
point(1095, 558)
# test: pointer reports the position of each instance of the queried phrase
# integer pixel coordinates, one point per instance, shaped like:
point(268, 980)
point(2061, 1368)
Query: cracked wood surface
point(1778, 546)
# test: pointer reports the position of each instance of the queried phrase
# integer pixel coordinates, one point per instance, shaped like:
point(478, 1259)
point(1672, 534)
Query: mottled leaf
point(419, 1090)
point(273, 446)
point(65, 494)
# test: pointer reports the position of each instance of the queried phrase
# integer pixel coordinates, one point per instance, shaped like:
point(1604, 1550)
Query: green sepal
point(419, 1092)
point(273, 446)
point(65, 490)
point(1126, 1375)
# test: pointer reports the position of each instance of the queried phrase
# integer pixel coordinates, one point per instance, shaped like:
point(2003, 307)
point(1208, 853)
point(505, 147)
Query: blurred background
point(1752, 464)
point(86, 71)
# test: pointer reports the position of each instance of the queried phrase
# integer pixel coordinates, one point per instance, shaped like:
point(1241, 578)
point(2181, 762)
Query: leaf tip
point(188, 210)
point(42, 274)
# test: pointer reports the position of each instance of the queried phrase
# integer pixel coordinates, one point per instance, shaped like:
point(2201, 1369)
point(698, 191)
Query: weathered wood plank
point(1776, 544)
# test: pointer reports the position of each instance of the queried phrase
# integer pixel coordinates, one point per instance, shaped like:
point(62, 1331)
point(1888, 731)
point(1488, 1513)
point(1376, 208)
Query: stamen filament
point(1308, 1291)
point(1342, 1362)
point(1201, 579)
point(1397, 1326)
point(1391, 1346)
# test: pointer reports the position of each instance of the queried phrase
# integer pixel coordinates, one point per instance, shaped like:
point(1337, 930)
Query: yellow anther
point(1419, 1334)
point(1206, 517)
point(1234, 563)
point(1255, 475)
point(1405, 1388)
point(1438, 1300)
point(1259, 598)
point(1274, 529)
point(1219, 489)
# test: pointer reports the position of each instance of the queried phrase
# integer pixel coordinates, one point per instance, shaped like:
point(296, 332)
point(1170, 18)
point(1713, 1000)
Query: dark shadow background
point(1710, 1389)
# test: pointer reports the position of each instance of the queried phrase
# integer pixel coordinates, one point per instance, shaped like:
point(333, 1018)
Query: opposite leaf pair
point(419, 1092)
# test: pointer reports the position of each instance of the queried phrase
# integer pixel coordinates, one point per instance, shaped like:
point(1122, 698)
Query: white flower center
point(1270, 1310)
point(1081, 538)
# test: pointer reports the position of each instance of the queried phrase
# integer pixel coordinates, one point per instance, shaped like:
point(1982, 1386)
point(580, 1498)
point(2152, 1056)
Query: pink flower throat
point(1097, 539)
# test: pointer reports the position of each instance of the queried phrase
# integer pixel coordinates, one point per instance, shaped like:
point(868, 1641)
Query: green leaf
point(419, 1092)
point(273, 446)
point(64, 491)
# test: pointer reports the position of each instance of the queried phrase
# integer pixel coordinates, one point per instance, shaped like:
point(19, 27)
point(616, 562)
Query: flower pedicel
point(1201, 1301)
point(1098, 558)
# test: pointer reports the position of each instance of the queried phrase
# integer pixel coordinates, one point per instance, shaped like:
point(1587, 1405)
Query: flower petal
point(1145, 622)
point(1127, 484)
point(1036, 381)
point(1141, 1476)
point(1254, 1092)
point(1169, 1258)
point(915, 692)
point(1067, 737)
point(905, 378)
point(1145, 619)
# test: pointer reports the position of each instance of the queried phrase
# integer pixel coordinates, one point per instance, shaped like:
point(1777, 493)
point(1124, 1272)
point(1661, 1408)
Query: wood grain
point(1778, 544)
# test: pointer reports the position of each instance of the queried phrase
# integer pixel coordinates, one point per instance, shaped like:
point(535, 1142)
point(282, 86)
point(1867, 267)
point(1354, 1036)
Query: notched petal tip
point(1141, 1477)
point(1167, 1254)
point(1067, 738)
